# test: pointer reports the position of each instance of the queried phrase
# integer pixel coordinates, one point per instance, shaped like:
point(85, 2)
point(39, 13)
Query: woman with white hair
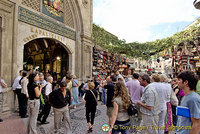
point(159, 82)
point(169, 92)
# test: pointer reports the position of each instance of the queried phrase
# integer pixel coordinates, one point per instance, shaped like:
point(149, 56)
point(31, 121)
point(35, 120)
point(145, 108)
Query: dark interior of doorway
point(48, 55)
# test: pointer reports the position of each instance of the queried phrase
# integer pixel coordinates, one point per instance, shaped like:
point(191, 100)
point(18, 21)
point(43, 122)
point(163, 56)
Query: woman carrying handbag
point(91, 105)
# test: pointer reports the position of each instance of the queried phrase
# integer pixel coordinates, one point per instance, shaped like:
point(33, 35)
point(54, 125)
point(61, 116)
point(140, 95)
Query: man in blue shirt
point(187, 82)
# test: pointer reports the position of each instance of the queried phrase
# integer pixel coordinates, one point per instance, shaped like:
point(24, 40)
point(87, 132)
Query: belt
point(33, 99)
point(122, 122)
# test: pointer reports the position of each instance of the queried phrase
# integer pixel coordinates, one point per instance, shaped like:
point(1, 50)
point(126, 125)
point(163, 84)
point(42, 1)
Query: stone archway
point(49, 55)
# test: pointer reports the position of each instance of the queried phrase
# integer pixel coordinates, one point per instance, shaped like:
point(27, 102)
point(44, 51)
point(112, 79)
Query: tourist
point(24, 94)
point(121, 102)
point(41, 80)
point(135, 91)
point(42, 117)
point(34, 92)
point(160, 83)
point(149, 106)
point(44, 83)
point(118, 75)
point(68, 79)
point(101, 88)
point(2, 85)
point(110, 94)
point(187, 82)
point(60, 99)
point(176, 91)
point(17, 90)
point(81, 89)
point(75, 100)
point(91, 104)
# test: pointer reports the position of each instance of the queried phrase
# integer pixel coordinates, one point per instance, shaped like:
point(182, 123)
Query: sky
point(144, 20)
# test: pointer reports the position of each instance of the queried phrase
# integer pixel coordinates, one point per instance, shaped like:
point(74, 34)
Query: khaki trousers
point(59, 114)
point(149, 124)
point(34, 106)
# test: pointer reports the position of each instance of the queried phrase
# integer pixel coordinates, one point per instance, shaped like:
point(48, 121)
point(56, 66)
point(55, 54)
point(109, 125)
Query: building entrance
point(46, 55)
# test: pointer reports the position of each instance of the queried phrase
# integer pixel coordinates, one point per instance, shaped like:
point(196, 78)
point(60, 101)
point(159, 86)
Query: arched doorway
point(48, 55)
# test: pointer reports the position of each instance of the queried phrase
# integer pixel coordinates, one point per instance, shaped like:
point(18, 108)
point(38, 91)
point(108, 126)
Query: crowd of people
point(155, 97)
point(37, 94)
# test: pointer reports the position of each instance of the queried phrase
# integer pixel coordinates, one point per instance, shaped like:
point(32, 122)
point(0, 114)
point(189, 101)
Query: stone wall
point(77, 16)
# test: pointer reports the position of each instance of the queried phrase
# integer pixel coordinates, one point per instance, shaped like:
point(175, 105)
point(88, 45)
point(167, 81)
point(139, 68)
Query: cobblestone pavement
point(78, 121)
point(16, 125)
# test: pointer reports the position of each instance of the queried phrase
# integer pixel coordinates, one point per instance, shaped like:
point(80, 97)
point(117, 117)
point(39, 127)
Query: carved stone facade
point(33, 4)
point(17, 29)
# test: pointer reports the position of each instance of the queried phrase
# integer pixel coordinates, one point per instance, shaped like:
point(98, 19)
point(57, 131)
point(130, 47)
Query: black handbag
point(132, 110)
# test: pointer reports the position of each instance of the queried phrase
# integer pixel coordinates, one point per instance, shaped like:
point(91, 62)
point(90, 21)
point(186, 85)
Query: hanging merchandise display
point(104, 63)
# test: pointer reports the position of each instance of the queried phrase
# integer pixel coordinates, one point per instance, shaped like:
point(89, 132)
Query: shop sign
point(32, 18)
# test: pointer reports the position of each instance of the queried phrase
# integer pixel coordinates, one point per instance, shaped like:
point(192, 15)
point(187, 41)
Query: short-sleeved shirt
point(135, 90)
point(164, 93)
point(69, 85)
point(122, 114)
point(48, 88)
point(31, 90)
point(1, 88)
point(150, 98)
point(192, 101)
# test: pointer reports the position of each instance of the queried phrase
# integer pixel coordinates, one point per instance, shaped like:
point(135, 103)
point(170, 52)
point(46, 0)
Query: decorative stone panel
point(34, 4)
point(68, 15)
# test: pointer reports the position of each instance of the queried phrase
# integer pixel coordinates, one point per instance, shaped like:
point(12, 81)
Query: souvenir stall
point(105, 63)
point(186, 57)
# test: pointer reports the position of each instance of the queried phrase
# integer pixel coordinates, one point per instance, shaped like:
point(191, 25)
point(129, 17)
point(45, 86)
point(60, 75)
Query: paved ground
point(16, 125)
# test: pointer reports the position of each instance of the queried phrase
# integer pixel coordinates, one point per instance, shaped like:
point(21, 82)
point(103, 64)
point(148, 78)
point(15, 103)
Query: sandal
point(90, 130)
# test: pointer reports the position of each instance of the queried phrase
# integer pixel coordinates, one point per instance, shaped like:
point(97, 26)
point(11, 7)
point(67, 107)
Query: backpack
point(43, 97)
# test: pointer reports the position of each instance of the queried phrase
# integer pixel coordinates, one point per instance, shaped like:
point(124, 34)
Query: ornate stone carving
point(87, 49)
point(34, 4)
point(85, 3)
point(68, 15)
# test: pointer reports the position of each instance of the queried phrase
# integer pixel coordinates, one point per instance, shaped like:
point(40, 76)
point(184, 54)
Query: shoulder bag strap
point(94, 95)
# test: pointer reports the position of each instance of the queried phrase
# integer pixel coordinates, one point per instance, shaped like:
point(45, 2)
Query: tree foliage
point(143, 50)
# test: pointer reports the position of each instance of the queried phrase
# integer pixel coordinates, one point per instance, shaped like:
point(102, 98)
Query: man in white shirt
point(2, 85)
point(164, 91)
point(47, 107)
point(17, 90)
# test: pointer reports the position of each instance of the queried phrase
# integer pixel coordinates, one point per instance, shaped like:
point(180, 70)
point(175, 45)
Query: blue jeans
point(104, 95)
point(123, 128)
